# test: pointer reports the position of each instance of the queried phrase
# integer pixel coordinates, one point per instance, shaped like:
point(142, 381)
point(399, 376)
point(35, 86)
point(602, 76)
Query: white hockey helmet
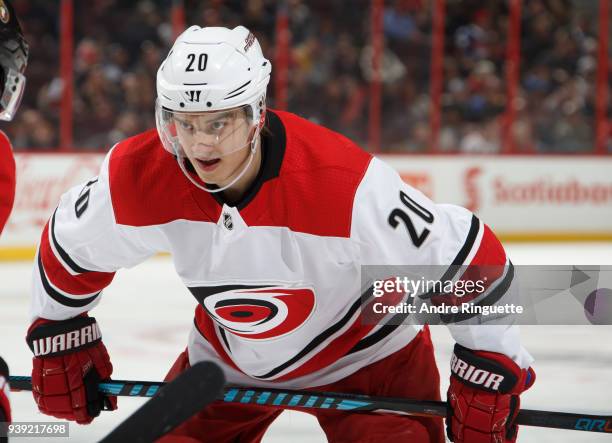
point(208, 70)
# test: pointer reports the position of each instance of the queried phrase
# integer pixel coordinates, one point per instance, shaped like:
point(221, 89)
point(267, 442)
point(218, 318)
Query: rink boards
point(523, 198)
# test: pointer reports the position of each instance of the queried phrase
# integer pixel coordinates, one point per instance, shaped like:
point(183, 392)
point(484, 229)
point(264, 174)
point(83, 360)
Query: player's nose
point(203, 150)
point(205, 138)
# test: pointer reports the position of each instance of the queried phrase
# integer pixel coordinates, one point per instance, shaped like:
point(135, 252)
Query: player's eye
point(185, 125)
point(216, 126)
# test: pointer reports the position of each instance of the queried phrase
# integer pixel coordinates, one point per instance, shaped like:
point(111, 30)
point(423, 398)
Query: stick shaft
point(192, 390)
point(287, 398)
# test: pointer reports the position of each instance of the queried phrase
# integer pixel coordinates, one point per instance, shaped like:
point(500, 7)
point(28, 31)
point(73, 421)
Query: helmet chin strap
point(253, 149)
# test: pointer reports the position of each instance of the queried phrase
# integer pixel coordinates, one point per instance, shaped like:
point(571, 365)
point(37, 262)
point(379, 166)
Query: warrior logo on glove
point(478, 377)
point(65, 341)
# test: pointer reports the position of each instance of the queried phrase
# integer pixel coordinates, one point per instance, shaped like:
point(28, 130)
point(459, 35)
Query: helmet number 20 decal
point(201, 65)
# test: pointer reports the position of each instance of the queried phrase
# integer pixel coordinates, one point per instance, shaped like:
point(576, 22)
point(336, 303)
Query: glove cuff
point(489, 371)
point(63, 337)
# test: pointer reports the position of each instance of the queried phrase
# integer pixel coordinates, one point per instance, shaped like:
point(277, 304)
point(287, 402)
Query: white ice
point(146, 313)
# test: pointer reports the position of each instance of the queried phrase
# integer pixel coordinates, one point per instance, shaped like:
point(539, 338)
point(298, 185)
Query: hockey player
point(13, 61)
point(5, 407)
point(269, 218)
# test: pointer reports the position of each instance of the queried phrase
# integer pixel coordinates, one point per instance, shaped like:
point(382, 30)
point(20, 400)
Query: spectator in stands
point(118, 46)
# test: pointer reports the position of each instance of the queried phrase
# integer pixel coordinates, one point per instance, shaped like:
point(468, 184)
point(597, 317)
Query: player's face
point(216, 143)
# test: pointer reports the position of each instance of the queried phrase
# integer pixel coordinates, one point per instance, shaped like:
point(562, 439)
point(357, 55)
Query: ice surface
point(146, 313)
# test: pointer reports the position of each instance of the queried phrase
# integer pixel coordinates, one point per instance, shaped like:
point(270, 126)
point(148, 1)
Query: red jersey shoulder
point(319, 177)
point(146, 185)
point(7, 179)
point(314, 148)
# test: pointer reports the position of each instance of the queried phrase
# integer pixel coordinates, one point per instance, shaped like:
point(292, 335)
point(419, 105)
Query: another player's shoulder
point(6, 150)
point(7, 173)
point(7, 179)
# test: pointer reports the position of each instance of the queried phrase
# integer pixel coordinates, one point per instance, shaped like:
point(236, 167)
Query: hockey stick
point(172, 402)
point(175, 402)
point(287, 398)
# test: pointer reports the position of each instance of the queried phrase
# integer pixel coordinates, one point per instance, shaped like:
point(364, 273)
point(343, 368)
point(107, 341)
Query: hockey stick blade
point(178, 400)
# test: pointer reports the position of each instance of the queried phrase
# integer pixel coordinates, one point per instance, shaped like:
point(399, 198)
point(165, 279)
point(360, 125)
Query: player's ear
point(262, 118)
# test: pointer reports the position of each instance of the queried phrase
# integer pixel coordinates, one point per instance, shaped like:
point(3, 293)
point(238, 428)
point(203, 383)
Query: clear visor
point(210, 135)
point(14, 86)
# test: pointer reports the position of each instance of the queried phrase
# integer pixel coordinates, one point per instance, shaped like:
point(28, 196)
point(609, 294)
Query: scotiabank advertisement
point(560, 196)
point(520, 197)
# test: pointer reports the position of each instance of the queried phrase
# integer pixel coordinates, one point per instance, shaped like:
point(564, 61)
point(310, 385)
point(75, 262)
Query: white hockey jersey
point(276, 274)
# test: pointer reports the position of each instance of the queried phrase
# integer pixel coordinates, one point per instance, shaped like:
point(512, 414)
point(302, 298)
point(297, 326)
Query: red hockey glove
point(484, 396)
point(5, 406)
point(69, 362)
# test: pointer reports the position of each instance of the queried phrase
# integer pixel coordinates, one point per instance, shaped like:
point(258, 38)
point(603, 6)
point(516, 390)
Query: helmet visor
point(211, 135)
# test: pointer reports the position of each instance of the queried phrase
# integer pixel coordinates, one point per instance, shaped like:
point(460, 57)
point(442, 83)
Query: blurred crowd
point(118, 46)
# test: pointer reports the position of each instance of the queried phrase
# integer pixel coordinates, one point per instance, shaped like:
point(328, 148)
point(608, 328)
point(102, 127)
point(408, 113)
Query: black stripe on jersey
point(321, 337)
point(469, 243)
point(374, 338)
point(493, 297)
point(60, 298)
point(384, 331)
point(195, 323)
point(460, 258)
point(62, 252)
point(221, 331)
point(224, 337)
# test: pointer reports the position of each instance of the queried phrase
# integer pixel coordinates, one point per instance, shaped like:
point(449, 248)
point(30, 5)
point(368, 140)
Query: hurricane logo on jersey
point(260, 313)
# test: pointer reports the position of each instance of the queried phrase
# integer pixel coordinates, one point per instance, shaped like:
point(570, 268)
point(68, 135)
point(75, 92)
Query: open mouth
point(208, 165)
